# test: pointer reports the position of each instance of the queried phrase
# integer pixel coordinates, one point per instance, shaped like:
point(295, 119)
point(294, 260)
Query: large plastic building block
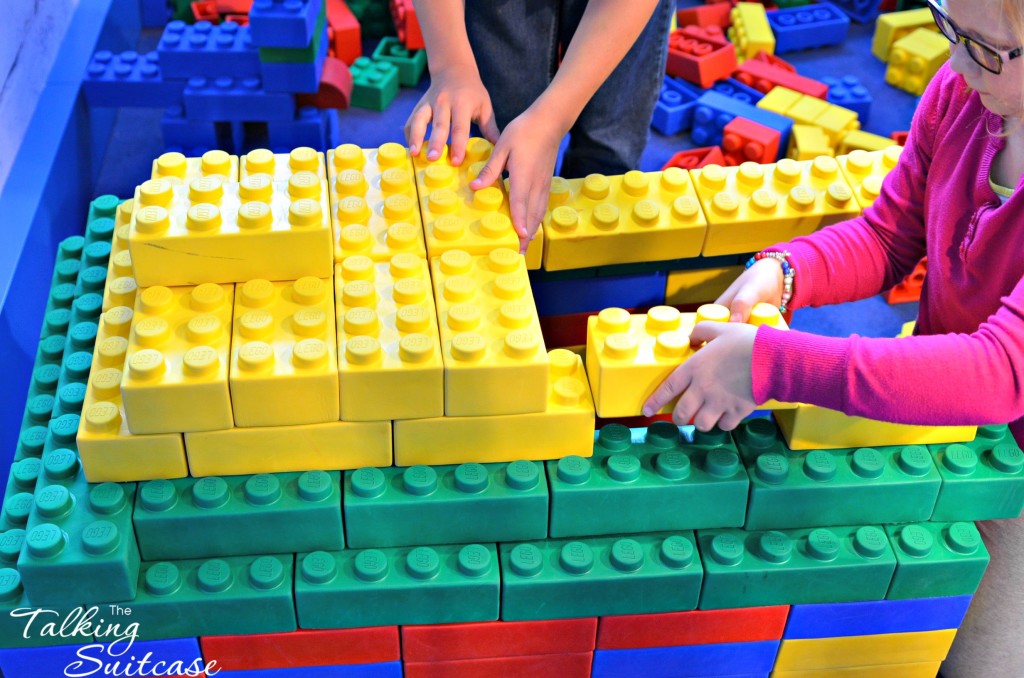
point(295, 70)
point(335, 89)
point(455, 217)
point(210, 231)
point(807, 427)
point(283, 23)
point(129, 79)
point(240, 594)
point(752, 206)
point(494, 356)
point(565, 427)
point(861, 11)
point(859, 140)
point(738, 659)
point(590, 293)
point(750, 32)
point(892, 26)
point(915, 58)
point(421, 585)
point(909, 289)
point(639, 486)
point(79, 543)
point(849, 93)
point(714, 110)
point(406, 24)
point(37, 662)
point(876, 617)
point(375, 83)
point(673, 112)
point(695, 627)
point(835, 121)
point(797, 28)
point(763, 76)
point(425, 505)
point(746, 141)
point(304, 648)
point(696, 157)
point(481, 640)
point(120, 288)
point(936, 559)
point(109, 452)
point(563, 665)
point(658, 572)
point(235, 100)
point(238, 515)
point(895, 648)
point(906, 670)
point(282, 166)
point(224, 50)
point(393, 669)
point(374, 202)
point(865, 170)
point(702, 286)
point(731, 87)
point(176, 375)
point(861, 486)
point(311, 127)
point(179, 132)
point(744, 568)
point(346, 43)
point(389, 353)
point(410, 62)
point(982, 479)
point(715, 14)
point(698, 57)
point(333, 446)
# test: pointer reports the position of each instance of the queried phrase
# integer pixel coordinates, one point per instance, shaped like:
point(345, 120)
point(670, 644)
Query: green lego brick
point(39, 404)
point(982, 479)
point(66, 267)
point(425, 505)
point(788, 567)
point(61, 434)
point(374, 18)
point(410, 63)
point(307, 54)
point(219, 596)
point(21, 483)
point(639, 481)
point(183, 11)
point(239, 515)
point(407, 585)
point(375, 84)
point(790, 489)
point(102, 207)
point(628, 574)
point(936, 559)
point(16, 510)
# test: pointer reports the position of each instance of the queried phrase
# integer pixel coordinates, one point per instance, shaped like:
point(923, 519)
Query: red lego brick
point(335, 87)
point(746, 141)
point(303, 648)
point(695, 158)
point(699, 58)
point(763, 76)
point(206, 11)
point(406, 24)
point(716, 14)
point(774, 60)
point(910, 287)
point(234, 6)
point(561, 331)
point(240, 19)
point(345, 33)
point(576, 665)
point(900, 137)
point(699, 627)
point(713, 33)
point(449, 642)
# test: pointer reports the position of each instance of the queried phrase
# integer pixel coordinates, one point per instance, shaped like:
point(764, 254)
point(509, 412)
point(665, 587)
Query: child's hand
point(528, 147)
point(715, 382)
point(456, 98)
point(760, 282)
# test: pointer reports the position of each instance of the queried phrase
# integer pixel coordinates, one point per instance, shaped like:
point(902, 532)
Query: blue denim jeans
point(517, 44)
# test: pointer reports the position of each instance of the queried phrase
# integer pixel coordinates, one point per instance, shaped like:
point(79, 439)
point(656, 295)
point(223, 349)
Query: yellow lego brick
point(494, 356)
point(336, 445)
point(915, 58)
point(837, 122)
point(211, 231)
point(807, 142)
point(177, 361)
point(865, 170)
point(699, 286)
point(389, 354)
point(177, 169)
point(808, 427)
point(281, 166)
point(834, 121)
point(750, 30)
point(455, 217)
point(780, 99)
point(753, 206)
point(909, 670)
point(861, 651)
point(807, 109)
point(121, 287)
point(565, 427)
point(374, 202)
point(535, 250)
point(284, 353)
point(109, 452)
point(892, 26)
point(639, 216)
point(907, 329)
point(628, 356)
point(859, 140)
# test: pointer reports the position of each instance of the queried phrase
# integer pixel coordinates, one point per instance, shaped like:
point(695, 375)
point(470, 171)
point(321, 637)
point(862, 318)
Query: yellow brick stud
point(281, 166)
point(865, 171)
point(915, 59)
point(177, 169)
point(750, 31)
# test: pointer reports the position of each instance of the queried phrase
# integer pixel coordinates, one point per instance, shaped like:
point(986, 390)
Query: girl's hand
point(456, 98)
point(760, 282)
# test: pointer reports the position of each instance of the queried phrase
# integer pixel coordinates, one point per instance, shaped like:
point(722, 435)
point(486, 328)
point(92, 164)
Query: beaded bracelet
point(788, 272)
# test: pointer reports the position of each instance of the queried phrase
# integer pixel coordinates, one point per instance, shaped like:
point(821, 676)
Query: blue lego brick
point(43, 662)
point(806, 27)
point(155, 13)
point(589, 294)
point(283, 23)
point(673, 113)
point(227, 99)
point(719, 659)
point(129, 79)
point(310, 128)
point(861, 11)
point(378, 670)
point(180, 132)
point(832, 620)
point(204, 49)
point(713, 111)
point(848, 92)
point(734, 89)
point(297, 76)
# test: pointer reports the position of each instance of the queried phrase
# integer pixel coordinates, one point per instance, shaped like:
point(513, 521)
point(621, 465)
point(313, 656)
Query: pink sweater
point(967, 364)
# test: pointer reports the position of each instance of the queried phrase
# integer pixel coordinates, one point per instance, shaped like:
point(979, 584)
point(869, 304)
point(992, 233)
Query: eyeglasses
point(989, 58)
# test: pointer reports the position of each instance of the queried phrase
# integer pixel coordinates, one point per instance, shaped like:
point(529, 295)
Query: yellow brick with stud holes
point(892, 26)
point(121, 287)
point(859, 651)
point(281, 166)
point(908, 670)
point(807, 142)
point(808, 427)
point(750, 31)
point(865, 171)
point(177, 169)
point(859, 140)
